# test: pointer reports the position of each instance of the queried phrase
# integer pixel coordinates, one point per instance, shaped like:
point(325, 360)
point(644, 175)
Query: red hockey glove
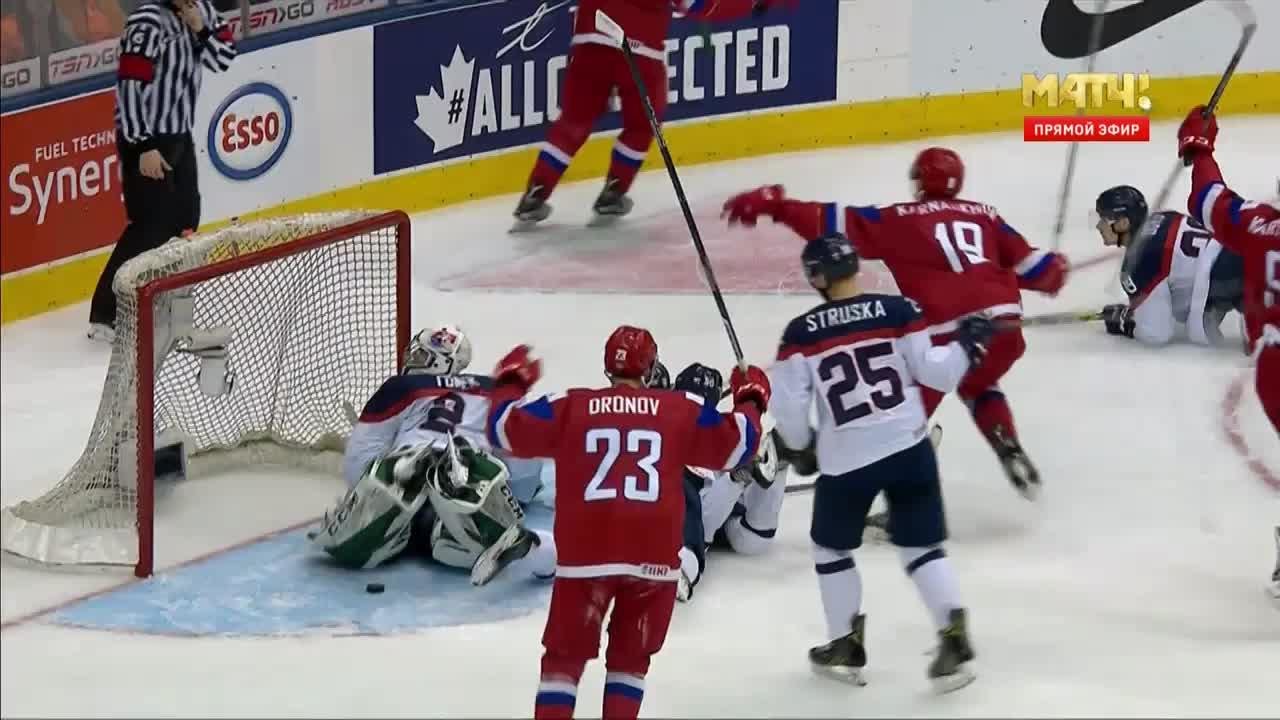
point(746, 208)
point(750, 387)
point(1196, 134)
point(518, 368)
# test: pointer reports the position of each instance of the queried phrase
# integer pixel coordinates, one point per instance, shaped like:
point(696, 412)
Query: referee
point(162, 49)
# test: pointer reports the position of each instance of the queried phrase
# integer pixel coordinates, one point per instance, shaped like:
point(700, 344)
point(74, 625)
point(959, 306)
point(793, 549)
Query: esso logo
point(250, 131)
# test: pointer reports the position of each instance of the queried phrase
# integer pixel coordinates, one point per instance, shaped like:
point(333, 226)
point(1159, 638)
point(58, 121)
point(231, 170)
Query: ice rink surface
point(1133, 587)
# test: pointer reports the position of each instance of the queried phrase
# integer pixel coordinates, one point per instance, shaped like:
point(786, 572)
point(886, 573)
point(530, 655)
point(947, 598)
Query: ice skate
point(1018, 468)
point(513, 544)
point(1274, 588)
point(101, 332)
point(684, 587)
point(843, 658)
point(611, 204)
point(533, 209)
point(949, 670)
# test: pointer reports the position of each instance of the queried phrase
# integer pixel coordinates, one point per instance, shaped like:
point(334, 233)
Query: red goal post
point(244, 345)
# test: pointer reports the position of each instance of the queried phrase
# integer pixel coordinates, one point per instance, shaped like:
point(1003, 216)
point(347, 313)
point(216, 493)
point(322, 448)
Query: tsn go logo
point(250, 131)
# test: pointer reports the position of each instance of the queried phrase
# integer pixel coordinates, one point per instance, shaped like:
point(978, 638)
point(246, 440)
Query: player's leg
point(751, 530)
point(588, 81)
point(990, 409)
point(693, 555)
point(633, 143)
point(570, 638)
point(840, 505)
point(373, 522)
point(917, 525)
point(1267, 382)
point(637, 629)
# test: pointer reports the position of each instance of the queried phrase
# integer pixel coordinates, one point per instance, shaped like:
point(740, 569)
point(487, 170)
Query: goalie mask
point(445, 350)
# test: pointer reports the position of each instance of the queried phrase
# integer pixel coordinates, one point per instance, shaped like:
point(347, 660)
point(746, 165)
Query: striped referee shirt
point(158, 76)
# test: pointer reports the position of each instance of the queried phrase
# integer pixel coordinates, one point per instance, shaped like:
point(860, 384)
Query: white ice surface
point(1134, 587)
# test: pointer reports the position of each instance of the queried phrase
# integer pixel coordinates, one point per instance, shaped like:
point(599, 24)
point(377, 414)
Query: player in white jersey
point(423, 479)
point(1175, 275)
point(736, 510)
point(862, 358)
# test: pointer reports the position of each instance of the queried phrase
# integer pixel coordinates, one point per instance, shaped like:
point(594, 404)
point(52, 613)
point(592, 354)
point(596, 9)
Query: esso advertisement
point(250, 131)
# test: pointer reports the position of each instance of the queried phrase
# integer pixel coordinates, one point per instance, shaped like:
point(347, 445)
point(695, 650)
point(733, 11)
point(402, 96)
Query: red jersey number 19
point(642, 487)
point(960, 240)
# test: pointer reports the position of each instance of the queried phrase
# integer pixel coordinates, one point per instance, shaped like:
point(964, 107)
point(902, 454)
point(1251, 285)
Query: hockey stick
point(1246, 16)
point(1064, 194)
point(1061, 318)
point(607, 26)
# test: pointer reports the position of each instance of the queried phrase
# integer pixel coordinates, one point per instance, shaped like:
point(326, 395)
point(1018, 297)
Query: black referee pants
point(157, 210)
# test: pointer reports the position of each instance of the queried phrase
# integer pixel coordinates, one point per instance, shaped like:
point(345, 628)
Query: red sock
point(991, 413)
point(623, 693)
point(557, 696)
point(624, 165)
point(549, 168)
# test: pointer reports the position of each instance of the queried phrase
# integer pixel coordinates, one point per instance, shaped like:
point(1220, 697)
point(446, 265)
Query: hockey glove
point(518, 369)
point(974, 334)
point(751, 386)
point(1196, 134)
point(746, 208)
point(1119, 319)
point(805, 461)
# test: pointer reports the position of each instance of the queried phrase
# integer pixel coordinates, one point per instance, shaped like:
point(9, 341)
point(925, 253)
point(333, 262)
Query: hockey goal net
point(248, 344)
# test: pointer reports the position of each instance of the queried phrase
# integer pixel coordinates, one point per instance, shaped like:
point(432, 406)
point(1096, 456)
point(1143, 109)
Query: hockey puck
point(374, 588)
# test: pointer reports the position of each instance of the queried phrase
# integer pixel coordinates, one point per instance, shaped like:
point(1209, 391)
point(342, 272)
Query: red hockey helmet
point(937, 173)
point(630, 353)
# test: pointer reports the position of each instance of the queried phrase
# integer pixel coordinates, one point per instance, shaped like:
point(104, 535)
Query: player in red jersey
point(596, 69)
point(1252, 230)
point(620, 454)
point(955, 258)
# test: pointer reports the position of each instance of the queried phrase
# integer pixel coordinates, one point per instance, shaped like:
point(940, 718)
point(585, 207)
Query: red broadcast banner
point(61, 181)
point(1133, 128)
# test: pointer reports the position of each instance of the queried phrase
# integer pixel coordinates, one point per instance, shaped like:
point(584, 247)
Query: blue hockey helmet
point(1122, 201)
point(706, 382)
point(828, 259)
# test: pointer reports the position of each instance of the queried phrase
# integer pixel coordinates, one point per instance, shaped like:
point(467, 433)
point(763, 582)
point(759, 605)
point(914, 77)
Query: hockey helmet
point(705, 382)
point(445, 350)
point(630, 353)
point(937, 173)
point(1122, 201)
point(829, 259)
point(659, 377)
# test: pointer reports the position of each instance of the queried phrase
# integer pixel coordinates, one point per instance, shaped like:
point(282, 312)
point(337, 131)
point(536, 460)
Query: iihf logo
point(443, 116)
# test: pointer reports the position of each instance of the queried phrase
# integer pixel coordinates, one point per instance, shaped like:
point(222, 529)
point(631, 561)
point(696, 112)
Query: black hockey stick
point(606, 25)
point(1064, 194)
point(1247, 19)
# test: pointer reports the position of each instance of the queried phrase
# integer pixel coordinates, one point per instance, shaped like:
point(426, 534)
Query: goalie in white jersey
point(423, 479)
point(861, 359)
point(1174, 272)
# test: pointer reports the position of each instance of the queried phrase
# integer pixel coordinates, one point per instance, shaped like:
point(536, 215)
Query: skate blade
point(847, 675)
point(935, 436)
point(955, 681)
point(603, 221)
point(524, 226)
point(1030, 492)
point(1273, 592)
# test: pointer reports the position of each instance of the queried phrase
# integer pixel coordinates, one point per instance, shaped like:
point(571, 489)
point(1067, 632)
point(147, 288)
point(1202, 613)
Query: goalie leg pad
point(472, 514)
point(372, 522)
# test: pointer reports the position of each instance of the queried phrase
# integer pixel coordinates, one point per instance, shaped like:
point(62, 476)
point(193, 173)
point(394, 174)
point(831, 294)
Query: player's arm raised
point(1216, 206)
point(523, 427)
point(810, 220)
point(724, 441)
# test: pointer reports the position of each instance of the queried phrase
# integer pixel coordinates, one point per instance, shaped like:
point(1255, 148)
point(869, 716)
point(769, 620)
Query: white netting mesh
point(302, 336)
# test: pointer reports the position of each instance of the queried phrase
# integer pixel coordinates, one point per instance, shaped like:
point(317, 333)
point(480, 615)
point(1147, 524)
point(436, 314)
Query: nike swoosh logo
point(1066, 30)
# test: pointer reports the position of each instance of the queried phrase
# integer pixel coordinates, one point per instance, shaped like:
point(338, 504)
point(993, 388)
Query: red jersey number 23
point(609, 443)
